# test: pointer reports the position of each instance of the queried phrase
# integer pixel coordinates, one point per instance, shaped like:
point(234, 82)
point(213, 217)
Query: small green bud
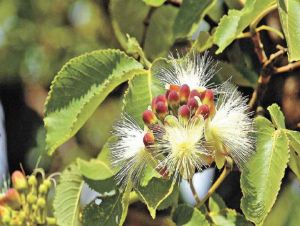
point(171, 120)
point(41, 202)
point(31, 198)
point(32, 181)
point(47, 183)
point(43, 189)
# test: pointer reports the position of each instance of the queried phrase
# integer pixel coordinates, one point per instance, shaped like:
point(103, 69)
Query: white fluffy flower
point(230, 131)
point(182, 148)
point(128, 151)
point(194, 70)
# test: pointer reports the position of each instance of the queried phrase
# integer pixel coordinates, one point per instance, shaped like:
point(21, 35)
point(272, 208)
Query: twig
point(259, 48)
point(275, 55)
point(214, 187)
point(271, 29)
point(254, 24)
point(146, 25)
point(194, 191)
point(287, 68)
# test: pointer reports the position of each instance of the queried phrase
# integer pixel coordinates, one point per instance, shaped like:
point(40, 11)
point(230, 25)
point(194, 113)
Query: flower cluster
point(25, 201)
point(190, 126)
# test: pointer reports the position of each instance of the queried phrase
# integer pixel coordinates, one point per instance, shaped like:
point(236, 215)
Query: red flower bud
point(148, 139)
point(149, 117)
point(184, 93)
point(192, 104)
point(184, 112)
point(161, 98)
point(153, 104)
point(208, 95)
point(173, 99)
point(11, 198)
point(174, 88)
point(19, 180)
point(161, 110)
point(195, 93)
point(203, 110)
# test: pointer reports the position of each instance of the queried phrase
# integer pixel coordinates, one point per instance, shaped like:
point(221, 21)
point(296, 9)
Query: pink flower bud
point(192, 104)
point(11, 198)
point(19, 180)
point(148, 139)
point(195, 93)
point(161, 110)
point(184, 93)
point(149, 117)
point(203, 110)
point(184, 112)
point(173, 99)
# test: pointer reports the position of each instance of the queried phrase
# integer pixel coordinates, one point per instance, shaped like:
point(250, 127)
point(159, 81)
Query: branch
point(259, 48)
point(287, 68)
point(146, 25)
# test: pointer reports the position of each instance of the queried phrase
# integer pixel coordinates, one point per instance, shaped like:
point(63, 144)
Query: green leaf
point(95, 169)
point(216, 10)
point(228, 217)
point(124, 22)
point(67, 195)
point(107, 210)
point(159, 36)
point(77, 90)
point(204, 41)
point(138, 97)
point(156, 191)
point(216, 203)
point(98, 175)
point(189, 16)
point(262, 175)
point(294, 145)
point(148, 174)
point(236, 21)
point(277, 116)
point(154, 3)
point(186, 215)
point(287, 207)
point(289, 12)
point(294, 138)
point(142, 88)
point(294, 163)
point(227, 71)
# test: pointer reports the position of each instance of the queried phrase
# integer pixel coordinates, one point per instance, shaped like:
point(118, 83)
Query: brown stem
point(146, 23)
point(259, 48)
point(287, 68)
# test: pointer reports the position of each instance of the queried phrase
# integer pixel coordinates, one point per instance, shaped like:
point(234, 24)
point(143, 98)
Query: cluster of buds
point(181, 102)
point(25, 202)
point(179, 107)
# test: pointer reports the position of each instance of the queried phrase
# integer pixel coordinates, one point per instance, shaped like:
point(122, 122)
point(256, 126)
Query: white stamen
point(196, 71)
point(232, 125)
point(128, 152)
point(182, 146)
